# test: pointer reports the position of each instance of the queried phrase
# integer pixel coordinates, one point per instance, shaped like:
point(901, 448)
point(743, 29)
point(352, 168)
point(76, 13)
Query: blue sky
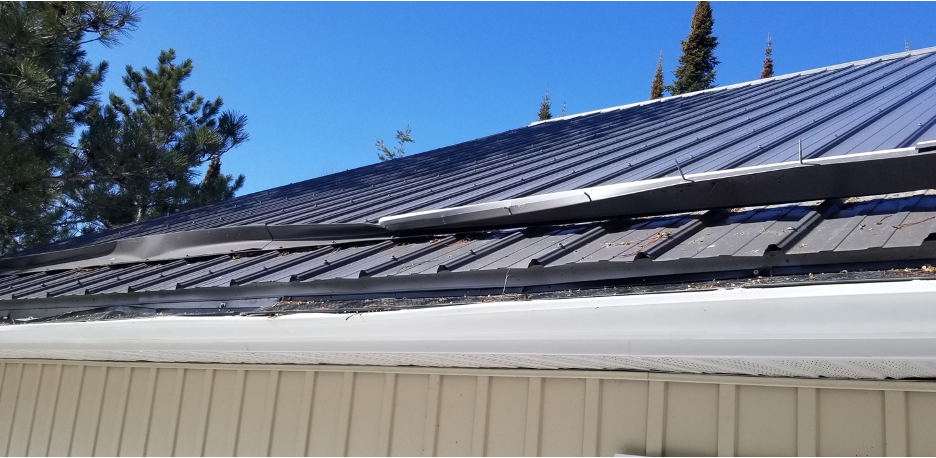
point(318, 81)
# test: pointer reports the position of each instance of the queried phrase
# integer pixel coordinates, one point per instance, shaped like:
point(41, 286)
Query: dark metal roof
point(868, 106)
point(196, 243)
point(845, 234)
point(908, 169)
point(365, 305)
point(872, 105)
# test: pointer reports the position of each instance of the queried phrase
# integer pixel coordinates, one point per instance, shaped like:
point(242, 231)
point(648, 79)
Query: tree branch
point(77, 178)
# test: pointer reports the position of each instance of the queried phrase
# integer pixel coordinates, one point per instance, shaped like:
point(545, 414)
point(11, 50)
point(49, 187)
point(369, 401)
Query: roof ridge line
point(865, 61)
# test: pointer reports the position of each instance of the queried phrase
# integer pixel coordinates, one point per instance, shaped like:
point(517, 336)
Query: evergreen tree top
point(767, 70)
point(696, 70)
point(656, 87)
point(545, 106)
point(140, 157)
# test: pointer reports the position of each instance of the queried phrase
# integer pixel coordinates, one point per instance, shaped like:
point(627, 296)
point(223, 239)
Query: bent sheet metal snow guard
point(881, 172)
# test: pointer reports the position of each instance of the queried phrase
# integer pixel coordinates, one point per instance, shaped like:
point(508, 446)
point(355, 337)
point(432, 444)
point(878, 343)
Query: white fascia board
point(776, 331)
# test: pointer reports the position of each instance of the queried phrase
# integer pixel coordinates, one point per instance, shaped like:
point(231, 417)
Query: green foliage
point(767, 70)
point(134, 160)
point(385, 154)
point(696, 70)
point(139, 158)
point(545, 106)
point(47, 87)
point(656, 87)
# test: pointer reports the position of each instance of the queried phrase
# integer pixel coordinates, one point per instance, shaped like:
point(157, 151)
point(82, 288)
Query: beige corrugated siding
point(76, 408)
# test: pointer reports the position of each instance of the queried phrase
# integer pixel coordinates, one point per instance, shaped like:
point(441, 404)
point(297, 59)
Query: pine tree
point(47, 86)
point(544, 113)
point(767, 71)
point(139, 158)
point(656, 87)
point(386, 154)
point(696, 70)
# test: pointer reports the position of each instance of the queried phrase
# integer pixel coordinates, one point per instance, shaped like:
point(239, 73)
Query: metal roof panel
point(752, 123)
point(871, 105)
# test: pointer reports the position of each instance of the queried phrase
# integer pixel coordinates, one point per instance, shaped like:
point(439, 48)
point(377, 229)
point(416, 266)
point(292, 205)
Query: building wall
point(79, 408)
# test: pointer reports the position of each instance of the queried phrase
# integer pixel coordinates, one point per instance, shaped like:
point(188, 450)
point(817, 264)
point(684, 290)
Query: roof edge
point(869, 60)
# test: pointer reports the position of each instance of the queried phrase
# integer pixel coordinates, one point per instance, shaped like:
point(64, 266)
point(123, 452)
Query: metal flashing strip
point(850, 331)
point(880, 172)
point(192, 244)
point(907, 169)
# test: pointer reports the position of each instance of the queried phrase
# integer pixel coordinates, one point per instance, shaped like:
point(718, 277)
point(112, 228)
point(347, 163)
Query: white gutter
point(843, 331)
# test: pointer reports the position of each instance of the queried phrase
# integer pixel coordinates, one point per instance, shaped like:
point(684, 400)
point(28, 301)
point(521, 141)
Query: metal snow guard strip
point(879, 172)
point(195, 243)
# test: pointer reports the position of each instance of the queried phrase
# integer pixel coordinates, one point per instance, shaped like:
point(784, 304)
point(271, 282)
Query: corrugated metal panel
point(868, 106)
point(889, 223)
point(65, 408)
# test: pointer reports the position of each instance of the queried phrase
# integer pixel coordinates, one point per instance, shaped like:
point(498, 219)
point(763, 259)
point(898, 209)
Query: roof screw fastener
point(222, 306)
point(756, 272)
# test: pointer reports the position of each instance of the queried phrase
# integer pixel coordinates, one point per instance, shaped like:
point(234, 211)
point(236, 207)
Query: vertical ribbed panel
point(921, 416)
point(71, 408)
point(766, 420)
point(839, 434)
point(691, 419)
